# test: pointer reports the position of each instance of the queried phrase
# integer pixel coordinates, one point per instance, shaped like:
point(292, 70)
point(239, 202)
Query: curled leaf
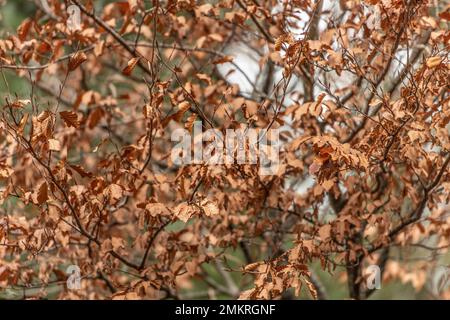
point(76, 60)
point(130, 66)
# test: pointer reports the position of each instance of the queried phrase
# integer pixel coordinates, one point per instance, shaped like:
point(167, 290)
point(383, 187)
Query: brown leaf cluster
point(358, 89)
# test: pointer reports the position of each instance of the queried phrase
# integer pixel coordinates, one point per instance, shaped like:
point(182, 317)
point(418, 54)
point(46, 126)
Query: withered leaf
point(325, 232)
point(117, 243)
point(182, 108)
point(81, 171)
point(24, 28)
point(184, 211)
point(5, 171)
point(23, 123)
point(209, 208)
point(54, 145)
point(433, 61)
point(190, 122)
point(70, 118)
point(358, 129)
point(76, 60)
point(130, 66)
point(328, 184)
point(114, 192)
point(223, 59)
point(42, 193)
point(19, 103)
point(312, 289)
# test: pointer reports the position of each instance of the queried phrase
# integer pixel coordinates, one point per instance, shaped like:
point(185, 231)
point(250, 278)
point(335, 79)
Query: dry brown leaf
point(70, 118)
point(24, 28)
point(83, 173)
point(20, 103)
point(184, 211)
point(130, 66)
point(223, 59)
point(210, 208)
point(42, 193)
point(328, 184)
point(312, 289)
point(433, 62)
point(54, 145)
point(325, 232)
point(117, 243)
point(114, 192)
point(76, 60)
point(190, 122)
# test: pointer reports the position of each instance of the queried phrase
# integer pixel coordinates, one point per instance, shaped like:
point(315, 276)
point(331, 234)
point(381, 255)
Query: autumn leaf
point(287, 37)
point(42, 193)
point(358, 127)
point(237, 17)
point(24, 28)
point(312, 289)
point(204, 77)
point(4, 273)
point(156, 209)
point(223, 60)
point(445, 15)
point(76, 60)
point(247, 294)
point(20, 103)
point(209, 208)
point(5, 171)
point(328, 184)
point(70, 118)
point(252, 266)
point(81, 171)
point(314, 168)
point(182, 108)
point(117, 243)
point(204, 9)
point(325, 232)
point(54, 145)
point(433, 62)
point(114, 192)
point(184, 212)
point(190, 122)
point(130, 66)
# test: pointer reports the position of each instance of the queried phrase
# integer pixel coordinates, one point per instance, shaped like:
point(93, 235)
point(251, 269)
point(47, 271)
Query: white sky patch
point(247, 60)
